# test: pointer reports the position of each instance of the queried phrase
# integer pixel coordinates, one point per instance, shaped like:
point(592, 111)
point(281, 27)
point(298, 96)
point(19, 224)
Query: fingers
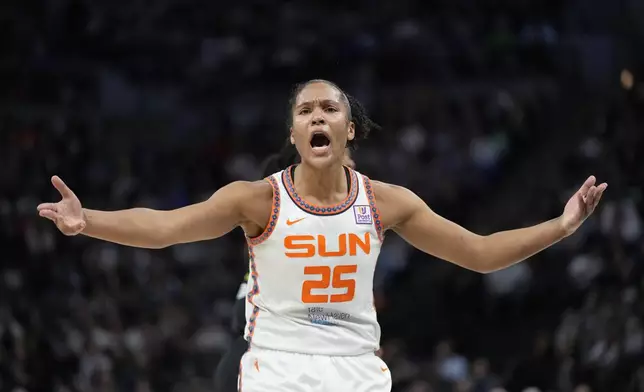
point(590, 195)
point(49, 214)
point(63, 189)
point(590, 181)
point(593, 197)
point(590, 198)
point(598, 195)
point(48, 206)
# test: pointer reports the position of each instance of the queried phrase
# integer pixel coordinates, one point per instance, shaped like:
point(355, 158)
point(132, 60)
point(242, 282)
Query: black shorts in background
point(228, 368)
point(239, 316)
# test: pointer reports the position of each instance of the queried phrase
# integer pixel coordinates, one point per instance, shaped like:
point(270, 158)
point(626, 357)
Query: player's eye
point(304, 111)
point(330, 109)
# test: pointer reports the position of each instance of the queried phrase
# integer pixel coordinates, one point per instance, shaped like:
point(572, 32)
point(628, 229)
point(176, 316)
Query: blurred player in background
point(314, 232)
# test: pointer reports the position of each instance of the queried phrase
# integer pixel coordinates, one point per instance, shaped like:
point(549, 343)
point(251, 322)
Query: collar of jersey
point(352, 194)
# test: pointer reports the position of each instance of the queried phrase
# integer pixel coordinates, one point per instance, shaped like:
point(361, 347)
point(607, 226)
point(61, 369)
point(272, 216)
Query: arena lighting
point(626, 77)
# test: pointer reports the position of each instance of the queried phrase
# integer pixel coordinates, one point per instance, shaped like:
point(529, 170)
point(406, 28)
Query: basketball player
point(226, 374)
point(314, 232)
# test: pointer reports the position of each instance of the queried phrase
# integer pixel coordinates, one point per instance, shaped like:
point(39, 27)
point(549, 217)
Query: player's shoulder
point(386, 192)
point(396, 203)
point(254, 200)
point(246, 197)
point(251, 190)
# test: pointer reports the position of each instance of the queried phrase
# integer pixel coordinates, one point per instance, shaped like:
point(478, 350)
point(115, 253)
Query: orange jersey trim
point(272, 221)
point(252, 321)
point(254, 276)
point(375, 212)
point(314, 209)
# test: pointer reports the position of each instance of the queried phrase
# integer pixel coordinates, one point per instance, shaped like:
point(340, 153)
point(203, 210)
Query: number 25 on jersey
point(329, 278)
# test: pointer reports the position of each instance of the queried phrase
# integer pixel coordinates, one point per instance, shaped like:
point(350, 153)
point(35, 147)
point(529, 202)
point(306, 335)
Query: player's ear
point(291, 138)
point(351, 131)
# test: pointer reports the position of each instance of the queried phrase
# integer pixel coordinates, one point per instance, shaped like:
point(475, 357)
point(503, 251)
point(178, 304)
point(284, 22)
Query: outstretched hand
point(582, 204)
point(67, 214)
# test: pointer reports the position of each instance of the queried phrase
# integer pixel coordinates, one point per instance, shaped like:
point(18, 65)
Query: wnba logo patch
point(363, 215)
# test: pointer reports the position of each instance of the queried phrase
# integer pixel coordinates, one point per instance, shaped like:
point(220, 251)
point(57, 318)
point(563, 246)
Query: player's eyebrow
point(321, 101)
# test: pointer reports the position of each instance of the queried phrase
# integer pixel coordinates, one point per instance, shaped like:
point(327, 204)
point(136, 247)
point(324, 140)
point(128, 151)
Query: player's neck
point(322, 184)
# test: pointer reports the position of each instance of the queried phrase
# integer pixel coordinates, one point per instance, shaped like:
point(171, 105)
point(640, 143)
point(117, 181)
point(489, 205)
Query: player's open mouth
point(320, 143)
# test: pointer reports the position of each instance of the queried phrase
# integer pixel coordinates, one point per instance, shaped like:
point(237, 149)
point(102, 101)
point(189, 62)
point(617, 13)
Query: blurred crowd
point(492, 111)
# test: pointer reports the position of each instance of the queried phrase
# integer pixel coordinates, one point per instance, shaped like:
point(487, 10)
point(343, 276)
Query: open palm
point(582, 204)
point(67, 214)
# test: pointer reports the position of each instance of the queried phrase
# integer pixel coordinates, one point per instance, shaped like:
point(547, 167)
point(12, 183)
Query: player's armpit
point(414, 221)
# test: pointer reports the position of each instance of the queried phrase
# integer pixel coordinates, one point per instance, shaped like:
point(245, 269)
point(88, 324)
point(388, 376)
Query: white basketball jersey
point(311, 273)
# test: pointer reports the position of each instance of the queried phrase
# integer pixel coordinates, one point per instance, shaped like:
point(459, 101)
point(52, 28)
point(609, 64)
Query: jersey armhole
point(375, 212)
point(272, 221)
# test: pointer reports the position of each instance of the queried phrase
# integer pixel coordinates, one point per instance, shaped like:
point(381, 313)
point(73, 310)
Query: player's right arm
point(147, 228)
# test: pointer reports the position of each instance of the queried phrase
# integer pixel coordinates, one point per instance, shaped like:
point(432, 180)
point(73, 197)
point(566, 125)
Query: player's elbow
point(197, 222)
point(487, 256)
point(164, 237)
point(484, 269)
point(469, 251)
point(480, 265)
point(471, 256)
point(479, 258)
point(169, 229)
point(160, 242)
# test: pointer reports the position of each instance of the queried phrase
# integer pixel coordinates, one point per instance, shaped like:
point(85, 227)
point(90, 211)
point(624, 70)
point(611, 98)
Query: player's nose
point(317, 119)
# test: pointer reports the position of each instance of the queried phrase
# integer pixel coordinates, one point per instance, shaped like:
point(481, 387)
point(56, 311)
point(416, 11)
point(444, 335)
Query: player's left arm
point(409, 216)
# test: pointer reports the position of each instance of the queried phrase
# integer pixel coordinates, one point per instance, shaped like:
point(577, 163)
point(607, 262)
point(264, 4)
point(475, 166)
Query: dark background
point(492, 111)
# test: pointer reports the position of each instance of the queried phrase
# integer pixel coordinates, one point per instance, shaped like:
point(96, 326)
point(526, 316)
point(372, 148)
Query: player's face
point(320, 125)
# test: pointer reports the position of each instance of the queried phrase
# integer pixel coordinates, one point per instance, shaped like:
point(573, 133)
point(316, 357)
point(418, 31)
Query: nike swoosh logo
point(292, 222)
point(384, 369)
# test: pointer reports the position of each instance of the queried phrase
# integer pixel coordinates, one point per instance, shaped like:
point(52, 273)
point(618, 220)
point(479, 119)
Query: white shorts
point(263, 370)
